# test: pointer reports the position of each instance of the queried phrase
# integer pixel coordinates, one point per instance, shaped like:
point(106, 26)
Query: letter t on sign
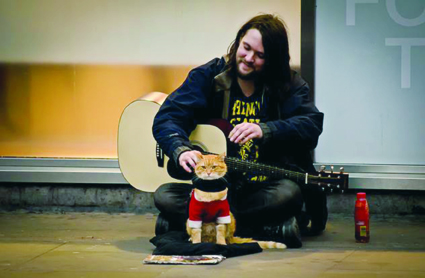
point(406, 44)
point(350, 12)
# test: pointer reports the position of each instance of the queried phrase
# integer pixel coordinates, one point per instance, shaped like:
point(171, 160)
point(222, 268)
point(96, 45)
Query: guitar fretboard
point(338, 181)
point(239, 165)
point(323, 180)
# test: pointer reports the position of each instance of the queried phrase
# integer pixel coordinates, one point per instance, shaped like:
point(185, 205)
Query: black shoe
point(287, 233)
point(303, 221)
point(309, 226)
point(291, 233)
point(311, 231)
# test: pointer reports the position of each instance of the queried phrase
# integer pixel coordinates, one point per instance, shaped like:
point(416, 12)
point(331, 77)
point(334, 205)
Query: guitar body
point(145, 167)
point(137, 148)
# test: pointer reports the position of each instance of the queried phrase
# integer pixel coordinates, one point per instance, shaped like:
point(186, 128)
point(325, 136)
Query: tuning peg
point(332, 169)
point(341, 170)
point(322, 168)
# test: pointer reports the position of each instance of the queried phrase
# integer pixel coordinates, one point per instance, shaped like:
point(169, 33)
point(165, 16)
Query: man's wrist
point(267, 133)
point(178, 151)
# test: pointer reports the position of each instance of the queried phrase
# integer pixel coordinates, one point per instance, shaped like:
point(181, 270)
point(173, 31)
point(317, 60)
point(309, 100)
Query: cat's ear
point(222, 156)
point(199, 156)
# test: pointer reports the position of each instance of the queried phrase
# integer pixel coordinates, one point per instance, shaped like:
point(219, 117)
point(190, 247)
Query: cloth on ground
point(176, 243)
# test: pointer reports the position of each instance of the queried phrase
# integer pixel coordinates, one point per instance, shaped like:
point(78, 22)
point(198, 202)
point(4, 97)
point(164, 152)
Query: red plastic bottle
point(361, 219)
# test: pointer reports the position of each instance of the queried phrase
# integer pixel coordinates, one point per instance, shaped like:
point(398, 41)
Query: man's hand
point(243, 132)
point(188, 159)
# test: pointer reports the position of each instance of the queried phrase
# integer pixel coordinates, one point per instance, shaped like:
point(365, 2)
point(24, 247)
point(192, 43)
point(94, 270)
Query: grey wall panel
point(370, 64)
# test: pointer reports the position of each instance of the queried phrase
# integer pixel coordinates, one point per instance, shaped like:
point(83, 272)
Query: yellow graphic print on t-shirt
point(243, 112)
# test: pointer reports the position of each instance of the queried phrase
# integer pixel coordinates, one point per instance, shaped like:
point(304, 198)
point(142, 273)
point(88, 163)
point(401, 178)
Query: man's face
point(250, 57)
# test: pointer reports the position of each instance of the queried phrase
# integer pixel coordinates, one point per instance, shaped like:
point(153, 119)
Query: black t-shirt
point(252, 109)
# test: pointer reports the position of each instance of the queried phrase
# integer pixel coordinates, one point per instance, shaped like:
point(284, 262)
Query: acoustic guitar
point(145, 167)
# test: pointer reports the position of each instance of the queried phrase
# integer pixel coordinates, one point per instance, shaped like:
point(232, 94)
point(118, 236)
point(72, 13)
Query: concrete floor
point(105, 245)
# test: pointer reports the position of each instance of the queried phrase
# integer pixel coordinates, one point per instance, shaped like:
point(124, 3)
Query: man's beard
point(253, 75)
point(250, 76)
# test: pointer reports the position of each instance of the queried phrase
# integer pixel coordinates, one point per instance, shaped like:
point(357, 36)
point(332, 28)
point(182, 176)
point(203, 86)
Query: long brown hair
point(277, 71)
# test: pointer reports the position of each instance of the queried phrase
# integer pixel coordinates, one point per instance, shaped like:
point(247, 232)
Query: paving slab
point(114, 245)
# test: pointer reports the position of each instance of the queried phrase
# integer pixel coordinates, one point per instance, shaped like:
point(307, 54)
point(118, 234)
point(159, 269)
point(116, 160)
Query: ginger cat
point(210, 219)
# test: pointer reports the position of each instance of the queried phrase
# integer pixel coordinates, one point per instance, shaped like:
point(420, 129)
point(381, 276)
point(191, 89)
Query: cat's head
point(211, 167)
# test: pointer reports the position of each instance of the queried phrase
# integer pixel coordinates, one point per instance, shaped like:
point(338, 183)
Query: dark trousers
point(253, 204)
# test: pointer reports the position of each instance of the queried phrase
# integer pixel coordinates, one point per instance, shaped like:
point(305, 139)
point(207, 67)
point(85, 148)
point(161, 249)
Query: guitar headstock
point(330, 180)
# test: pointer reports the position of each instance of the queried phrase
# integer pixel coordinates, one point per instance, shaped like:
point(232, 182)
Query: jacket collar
point(223, 81)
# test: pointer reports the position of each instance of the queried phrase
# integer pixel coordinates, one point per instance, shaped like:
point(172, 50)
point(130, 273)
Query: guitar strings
point(273, 171)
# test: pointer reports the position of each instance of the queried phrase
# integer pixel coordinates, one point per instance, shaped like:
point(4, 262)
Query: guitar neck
point(238, 165)
point(326, 181)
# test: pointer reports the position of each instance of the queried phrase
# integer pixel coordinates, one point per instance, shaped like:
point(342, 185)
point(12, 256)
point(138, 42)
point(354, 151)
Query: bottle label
point(360, 223)
point(363, 231)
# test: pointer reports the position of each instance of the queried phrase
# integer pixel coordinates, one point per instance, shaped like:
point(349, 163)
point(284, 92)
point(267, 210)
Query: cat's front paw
point(196, 236)
point(194, 241)
point(221, 241)
point(221, 234)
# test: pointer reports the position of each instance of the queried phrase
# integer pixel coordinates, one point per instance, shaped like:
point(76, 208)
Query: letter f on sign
point(350, 12)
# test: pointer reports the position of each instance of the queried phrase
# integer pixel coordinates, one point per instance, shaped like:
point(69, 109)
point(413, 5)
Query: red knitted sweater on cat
point(215, 211)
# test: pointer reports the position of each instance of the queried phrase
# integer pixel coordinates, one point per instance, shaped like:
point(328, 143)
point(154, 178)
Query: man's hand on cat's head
point(188, 160)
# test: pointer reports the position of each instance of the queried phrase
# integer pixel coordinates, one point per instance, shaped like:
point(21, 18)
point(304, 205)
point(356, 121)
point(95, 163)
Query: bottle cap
point(361, 195)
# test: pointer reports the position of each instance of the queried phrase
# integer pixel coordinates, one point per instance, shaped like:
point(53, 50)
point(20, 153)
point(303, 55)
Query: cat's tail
point(263, 244)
